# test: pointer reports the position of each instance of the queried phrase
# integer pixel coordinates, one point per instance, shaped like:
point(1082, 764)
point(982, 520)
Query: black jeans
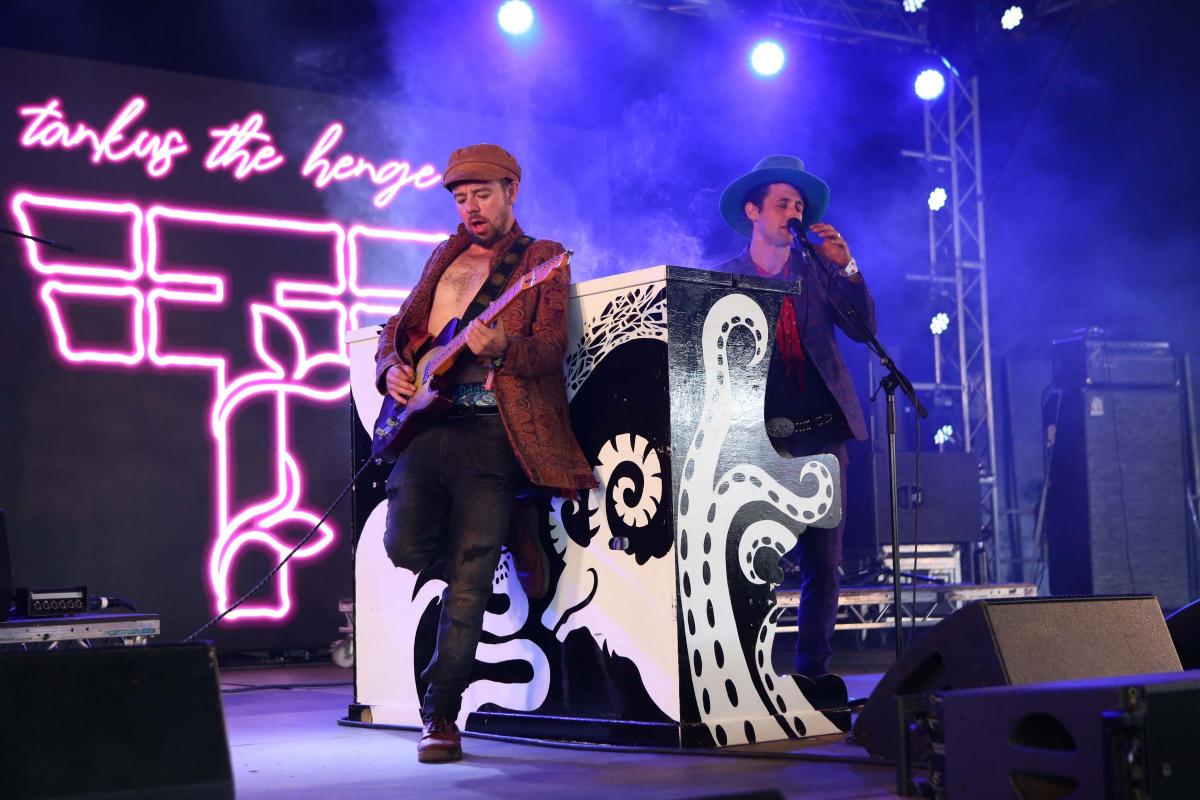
point(450, 495)
point(818, 554)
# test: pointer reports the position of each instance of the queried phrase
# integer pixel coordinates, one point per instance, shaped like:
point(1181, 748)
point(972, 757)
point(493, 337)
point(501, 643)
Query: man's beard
point(496, 232)
point(488, 241)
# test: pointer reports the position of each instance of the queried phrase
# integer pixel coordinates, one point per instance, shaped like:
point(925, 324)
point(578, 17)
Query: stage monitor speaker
point(1126, 737)
point(127, 722)
point(947, 496)
point(1017, 642)
point(6, 576)
point(1115, 517)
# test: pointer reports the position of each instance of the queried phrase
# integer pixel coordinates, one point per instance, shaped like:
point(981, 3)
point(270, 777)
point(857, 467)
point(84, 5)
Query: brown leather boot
point(440, 741)
point(525, 544)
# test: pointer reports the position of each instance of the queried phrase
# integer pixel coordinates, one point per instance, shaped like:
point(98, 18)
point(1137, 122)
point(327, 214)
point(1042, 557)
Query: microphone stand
point(894, 379)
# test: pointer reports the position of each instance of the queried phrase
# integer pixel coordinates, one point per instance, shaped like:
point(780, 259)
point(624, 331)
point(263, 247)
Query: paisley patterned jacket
point(530, 388)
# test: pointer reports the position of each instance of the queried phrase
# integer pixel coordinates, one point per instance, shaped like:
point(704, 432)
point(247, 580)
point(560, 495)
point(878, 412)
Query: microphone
point(799, 241)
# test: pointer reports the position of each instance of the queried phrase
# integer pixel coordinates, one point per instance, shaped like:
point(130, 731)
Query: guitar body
point(397, 425)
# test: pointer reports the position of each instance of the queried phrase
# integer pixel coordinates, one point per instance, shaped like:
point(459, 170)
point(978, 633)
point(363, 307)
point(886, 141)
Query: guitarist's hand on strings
point(487, 343)
point(400, 383)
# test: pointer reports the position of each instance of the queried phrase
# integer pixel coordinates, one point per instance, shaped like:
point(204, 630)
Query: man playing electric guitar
point(452, 489)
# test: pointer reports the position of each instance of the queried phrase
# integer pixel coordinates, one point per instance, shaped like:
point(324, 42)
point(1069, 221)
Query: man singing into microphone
point(811, 407)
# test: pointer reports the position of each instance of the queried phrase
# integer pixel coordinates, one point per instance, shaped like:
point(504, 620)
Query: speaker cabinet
point(128, 722)
point(1116, 509)
point(1127, 737)
point(945, 493)
point(1018, 642)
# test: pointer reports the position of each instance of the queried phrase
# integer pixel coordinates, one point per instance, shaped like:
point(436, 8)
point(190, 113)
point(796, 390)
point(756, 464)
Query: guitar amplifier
point(1088, 360)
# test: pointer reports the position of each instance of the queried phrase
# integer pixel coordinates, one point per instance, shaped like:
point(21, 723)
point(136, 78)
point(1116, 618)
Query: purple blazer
point(826, 294)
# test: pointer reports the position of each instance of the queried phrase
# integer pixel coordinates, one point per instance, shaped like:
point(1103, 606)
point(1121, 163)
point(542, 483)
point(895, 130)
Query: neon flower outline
point(150, 289)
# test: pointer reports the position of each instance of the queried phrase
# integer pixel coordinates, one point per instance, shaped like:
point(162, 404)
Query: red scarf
point(787, 334)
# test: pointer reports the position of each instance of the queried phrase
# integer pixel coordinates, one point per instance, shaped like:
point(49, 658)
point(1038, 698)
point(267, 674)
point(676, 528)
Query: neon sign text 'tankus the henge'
point(242, 148)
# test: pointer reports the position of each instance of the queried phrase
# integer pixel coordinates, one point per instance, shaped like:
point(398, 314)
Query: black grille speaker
point(1116, 507)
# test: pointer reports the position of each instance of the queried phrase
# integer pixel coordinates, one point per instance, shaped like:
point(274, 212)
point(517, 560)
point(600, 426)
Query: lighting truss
point(958, 261)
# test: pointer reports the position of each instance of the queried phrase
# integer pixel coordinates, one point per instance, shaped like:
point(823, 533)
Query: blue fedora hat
point(774, 169)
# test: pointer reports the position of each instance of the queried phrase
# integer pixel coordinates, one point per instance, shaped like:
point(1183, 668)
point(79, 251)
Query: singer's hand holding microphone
point(833, 247)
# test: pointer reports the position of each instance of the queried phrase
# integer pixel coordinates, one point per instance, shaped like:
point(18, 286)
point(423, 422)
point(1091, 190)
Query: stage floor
point(285, 742)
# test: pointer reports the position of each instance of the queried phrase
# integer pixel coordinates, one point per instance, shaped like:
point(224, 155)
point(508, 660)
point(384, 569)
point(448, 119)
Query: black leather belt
point(782, 427)
point(457, 411)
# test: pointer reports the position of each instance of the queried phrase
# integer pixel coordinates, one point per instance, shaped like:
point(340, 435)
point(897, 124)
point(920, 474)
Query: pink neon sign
point(231, 148)
point(393, 175)
point(148, 289)
point(243, 148)
point(48, 128)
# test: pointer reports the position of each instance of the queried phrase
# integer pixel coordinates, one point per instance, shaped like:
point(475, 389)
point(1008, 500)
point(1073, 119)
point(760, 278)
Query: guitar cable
point(368, 462)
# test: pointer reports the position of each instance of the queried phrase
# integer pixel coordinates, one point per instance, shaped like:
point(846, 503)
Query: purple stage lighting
point(767, 58)
point(515, 17)
point(930, 84)
point(913, 6)
point(937, 199)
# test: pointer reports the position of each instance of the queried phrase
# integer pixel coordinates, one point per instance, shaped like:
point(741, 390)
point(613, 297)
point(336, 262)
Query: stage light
point(930, 84)
point(913, 6)
point(1012, 18)
point(939, 324)
point(944, 435)
point(937, 199)
point(515, 17)
point(767, 58)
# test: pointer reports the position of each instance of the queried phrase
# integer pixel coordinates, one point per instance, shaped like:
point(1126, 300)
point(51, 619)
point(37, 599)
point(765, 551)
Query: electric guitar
point(398, 424)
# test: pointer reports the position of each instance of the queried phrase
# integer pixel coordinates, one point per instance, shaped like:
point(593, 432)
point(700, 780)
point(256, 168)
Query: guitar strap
point(494, 285)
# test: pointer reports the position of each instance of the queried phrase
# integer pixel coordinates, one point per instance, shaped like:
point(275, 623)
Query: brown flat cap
point(480, 162)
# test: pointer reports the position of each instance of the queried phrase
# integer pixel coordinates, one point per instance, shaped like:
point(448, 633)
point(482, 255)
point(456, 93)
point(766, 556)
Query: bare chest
point(456, 288)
